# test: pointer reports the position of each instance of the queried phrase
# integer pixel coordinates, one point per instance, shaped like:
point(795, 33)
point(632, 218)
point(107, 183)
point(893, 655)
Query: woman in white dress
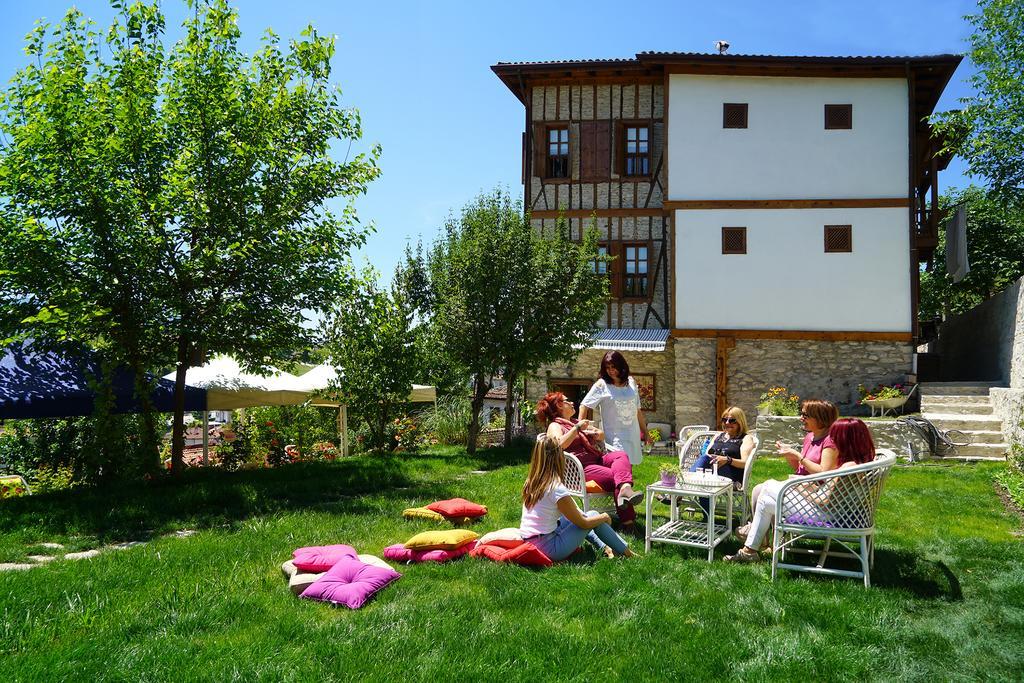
point(624, 425)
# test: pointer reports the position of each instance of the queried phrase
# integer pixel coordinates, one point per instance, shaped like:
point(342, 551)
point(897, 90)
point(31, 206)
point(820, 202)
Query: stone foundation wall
point(886, 434)
point(587, 365)
point(1008, 404)
point(695, 382)
point(813, 369)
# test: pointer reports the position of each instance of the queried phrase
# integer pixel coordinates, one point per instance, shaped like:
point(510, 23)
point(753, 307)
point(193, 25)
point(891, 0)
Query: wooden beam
point(599, 213)
point(722, 346)
point(796, 335)
point(858, 203)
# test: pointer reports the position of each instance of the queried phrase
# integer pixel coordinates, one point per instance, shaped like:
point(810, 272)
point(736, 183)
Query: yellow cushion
point(441, 540)
point(422, 513)
point(594, 487)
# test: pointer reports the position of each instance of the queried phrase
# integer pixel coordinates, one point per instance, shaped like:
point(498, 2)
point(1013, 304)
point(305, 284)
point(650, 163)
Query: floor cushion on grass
point(458, 507)
point(300, 581)
point(320, 558)
point(449, 539)
point(289, 569)
point(350, 583)
point(503, 538)
point(423, 513)
point(526, 554)
point(594, 487)
point(374, 560)
point(399, 553)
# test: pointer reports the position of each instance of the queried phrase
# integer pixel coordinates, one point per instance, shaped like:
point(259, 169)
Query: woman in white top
point(621, 418)
point(550, 519)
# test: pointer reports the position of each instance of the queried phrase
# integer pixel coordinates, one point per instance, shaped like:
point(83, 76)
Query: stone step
point(947, 421)
point(927, 400)
point(986, 450)
point(958, 408)
point(983, 436)
point(955, 388)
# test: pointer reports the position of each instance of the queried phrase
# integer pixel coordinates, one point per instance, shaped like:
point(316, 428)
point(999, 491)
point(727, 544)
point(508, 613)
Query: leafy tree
point(160, 204)
point(505, 299)
point(995, 245)
point(989, 131)
point(371, 342)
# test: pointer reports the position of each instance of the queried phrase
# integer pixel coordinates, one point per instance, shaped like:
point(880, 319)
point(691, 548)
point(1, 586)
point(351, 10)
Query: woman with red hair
point(612, 471)
point(854, 446)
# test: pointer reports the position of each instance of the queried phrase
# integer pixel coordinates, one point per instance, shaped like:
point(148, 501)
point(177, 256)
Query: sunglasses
point(729, 420)
point(804, 416)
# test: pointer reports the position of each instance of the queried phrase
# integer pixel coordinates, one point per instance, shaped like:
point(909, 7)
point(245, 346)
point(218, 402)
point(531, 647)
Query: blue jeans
point(563, 541)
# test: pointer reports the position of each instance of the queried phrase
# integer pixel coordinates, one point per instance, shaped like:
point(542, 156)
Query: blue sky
point(419, 72)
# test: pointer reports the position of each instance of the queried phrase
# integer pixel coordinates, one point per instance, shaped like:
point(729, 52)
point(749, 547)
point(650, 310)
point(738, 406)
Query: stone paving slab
point(84, 555)
point(42, 559)
point(14, 566)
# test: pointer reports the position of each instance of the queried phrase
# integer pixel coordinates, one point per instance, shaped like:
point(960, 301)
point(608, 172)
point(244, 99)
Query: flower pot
point(668, 480)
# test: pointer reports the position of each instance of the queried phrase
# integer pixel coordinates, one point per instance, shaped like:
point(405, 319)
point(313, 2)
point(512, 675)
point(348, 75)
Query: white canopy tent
point(229, 388)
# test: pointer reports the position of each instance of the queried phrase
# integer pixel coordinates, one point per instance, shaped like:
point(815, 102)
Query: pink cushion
point(320, 558)
point(458, 507)
point(526, 554)
point(400, 553)
point(350, 583)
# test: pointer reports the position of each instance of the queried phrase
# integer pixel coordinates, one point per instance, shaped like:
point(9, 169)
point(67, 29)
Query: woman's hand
point(722, 460)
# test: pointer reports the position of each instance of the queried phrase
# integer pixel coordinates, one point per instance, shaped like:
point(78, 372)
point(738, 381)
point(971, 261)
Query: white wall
point(786, 153)
point(785, 281)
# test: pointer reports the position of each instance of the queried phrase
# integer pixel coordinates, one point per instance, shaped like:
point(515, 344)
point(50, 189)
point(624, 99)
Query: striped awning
point(630, 340)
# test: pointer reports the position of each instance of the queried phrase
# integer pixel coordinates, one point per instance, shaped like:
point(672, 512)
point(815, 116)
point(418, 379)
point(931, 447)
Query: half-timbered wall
point(635, 202)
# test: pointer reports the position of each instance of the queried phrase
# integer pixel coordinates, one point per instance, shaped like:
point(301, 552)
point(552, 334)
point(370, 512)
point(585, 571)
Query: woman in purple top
point(818, 453)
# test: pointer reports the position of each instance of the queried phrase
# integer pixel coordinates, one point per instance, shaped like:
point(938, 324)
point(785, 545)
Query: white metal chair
point(686, 431)
point(693, 448)
point(576, 482)
point(832, 506)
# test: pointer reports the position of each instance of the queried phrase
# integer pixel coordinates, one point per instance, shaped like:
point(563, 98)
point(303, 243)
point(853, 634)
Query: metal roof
point(630, 340)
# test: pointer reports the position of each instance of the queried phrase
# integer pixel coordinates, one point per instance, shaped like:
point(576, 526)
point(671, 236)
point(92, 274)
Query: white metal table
point(692, 532)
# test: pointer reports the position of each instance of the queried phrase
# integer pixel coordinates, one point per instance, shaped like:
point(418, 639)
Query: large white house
point(768, 215)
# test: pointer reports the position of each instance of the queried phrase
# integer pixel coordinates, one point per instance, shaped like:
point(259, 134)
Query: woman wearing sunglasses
point(731, 448)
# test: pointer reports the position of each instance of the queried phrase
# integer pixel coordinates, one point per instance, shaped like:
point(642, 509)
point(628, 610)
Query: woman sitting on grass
point(550, 519)
point(855, 447)
point(612, 471)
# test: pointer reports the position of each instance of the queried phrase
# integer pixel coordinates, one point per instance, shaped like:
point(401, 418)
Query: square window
point(838, 116)
point(734, 115)
point(838, 239)
point(734, 240)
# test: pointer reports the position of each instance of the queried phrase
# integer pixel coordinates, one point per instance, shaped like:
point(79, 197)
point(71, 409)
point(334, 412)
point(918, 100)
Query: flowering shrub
point(406, 434)
point(325, 450)
point(778, 401)
point(880, 392)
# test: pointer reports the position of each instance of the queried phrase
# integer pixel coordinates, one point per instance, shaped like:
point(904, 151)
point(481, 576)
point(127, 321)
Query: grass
point(948, 601)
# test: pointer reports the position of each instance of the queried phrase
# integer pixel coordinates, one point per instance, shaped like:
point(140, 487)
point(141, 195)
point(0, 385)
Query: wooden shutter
point(594, 146)
point(734, 240)
point(540, 150)
point(620, 148)
point(838, 116)
point(526, 146)
point(838, 239)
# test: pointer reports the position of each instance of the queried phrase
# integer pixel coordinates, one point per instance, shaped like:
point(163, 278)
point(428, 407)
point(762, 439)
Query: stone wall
point(986, 344)
point(886, 434)
point(587, 365)
point(812, 369)
point(695, 382)
point(1008, 404)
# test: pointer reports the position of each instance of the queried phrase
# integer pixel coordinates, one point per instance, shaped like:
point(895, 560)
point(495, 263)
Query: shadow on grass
point(903, 570)
point(205, 498)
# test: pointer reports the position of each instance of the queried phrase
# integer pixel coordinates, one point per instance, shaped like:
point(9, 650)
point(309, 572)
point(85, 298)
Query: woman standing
point(621, 418)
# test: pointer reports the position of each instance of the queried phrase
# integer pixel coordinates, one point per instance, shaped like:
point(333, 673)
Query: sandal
point(744, 556)
point(629, 499)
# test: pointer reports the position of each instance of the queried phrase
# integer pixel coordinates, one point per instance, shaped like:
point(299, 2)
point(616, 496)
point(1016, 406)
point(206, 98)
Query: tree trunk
point(178, 428)
point(149, 440)
point(480, 388)
point(510, 379)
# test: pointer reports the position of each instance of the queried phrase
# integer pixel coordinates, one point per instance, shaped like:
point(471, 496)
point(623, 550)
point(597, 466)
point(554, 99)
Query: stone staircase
point(965, 406)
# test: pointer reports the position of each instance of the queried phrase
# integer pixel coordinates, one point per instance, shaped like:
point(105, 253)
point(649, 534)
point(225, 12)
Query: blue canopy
point(56, 384)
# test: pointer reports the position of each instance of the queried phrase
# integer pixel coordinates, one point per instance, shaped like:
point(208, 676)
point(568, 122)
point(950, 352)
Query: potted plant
point(653, 437)
point(669, 475)
point(883, 397)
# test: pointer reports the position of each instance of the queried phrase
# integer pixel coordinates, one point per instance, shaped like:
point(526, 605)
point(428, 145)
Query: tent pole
point(206, 438)
point(343, 430)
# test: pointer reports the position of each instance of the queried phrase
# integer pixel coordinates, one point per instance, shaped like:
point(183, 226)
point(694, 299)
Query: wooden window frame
point(609, 268)
point(624, 129)
point(742, 234)
point(621, 260)
point(736, 107)
point(848, 229)
point(548, 175)
point(843, 111)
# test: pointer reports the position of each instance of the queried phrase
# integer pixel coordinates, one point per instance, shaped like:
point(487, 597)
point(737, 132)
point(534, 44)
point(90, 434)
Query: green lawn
point(947, 601)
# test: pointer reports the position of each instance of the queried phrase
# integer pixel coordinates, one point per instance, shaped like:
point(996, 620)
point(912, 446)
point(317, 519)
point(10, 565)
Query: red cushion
point(526, 554)
point(458, 507)
point(506, 542)
point(320, 558)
